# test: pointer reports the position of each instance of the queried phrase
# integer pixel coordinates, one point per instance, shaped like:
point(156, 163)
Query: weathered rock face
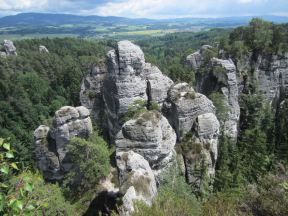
point(9, 48)
point(91, 92)
point(126, 82)
point(201, 156)
point(136, 178)
point(43, 49)
point(51, 144)
point(271, 74)
point(151, 136)
point(192, 115)
point(183, 106)
point(196, 60)
point(227, 80)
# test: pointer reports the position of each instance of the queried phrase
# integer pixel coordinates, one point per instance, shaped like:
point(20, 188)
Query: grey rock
point(91, 94)
point(9, 48)
point(196, 59)
point(200, 159)
point(228, 80)
point(151, 136)
point(43, 49)
point(126, 82)
point(183, 106)
point(137, 181)
point(51, 143)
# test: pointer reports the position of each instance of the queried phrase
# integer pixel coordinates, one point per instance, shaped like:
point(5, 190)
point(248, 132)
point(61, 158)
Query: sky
point(149, 8)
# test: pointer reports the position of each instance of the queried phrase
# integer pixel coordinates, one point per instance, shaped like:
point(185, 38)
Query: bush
point(174, 198)
point(91, 162)
point(219, 102)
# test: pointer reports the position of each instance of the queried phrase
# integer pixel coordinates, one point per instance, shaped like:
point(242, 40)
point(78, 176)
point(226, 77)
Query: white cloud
point(22, 4)
point(146, 8)
point(155, 8)
point(251, 1)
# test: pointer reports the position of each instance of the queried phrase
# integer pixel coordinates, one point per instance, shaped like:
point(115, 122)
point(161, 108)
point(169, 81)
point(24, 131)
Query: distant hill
point(43, 19)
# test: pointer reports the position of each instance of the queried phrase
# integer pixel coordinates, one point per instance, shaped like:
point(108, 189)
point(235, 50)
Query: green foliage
point(138, 107)
point(25, 193)
point(174, 198)
point(269, 196)
point(281, 141)
point(169, 52)
point(226, 203)
point(91, 161)
point(219, 102)
point(34, 85)
point(260, 37)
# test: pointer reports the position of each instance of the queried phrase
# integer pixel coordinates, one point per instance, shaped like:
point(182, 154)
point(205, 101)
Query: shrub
point(91, 162)
point(174, 198)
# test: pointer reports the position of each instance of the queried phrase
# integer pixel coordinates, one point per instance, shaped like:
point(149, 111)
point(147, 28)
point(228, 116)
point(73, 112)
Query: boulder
point(43, 49)
point(137, 181)
point(183, 106)
point(151, 136)
point(10, 49)
point(51, 143)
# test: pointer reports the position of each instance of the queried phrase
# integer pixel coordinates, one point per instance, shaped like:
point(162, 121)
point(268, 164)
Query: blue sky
point(149, 8)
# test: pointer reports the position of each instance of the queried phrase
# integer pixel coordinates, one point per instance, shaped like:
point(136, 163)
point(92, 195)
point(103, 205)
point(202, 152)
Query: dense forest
point(251, 176)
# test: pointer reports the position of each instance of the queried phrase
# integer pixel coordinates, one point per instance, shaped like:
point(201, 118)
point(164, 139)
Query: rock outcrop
point(51, 143)
point(192, 115)
point(151, 136)
point(196, 59)
point(126, 82)
point(270, 73)
point(202, 149)
point(43, 49)
point(227, 82)
point(10, 49)
point(91, 94)
point(137, 181)
point(183, 106)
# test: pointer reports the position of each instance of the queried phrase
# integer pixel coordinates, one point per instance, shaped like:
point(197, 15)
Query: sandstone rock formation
point(126, 82)
point(43, 49)
point(202, 149)
point(91, 92)
point(196, 60)
point(151, 136)
point(51, 143)
point(192, 115)
point(183, 106)
point(137, 181)
point(270, 74)
point(228, 86)
point(9, 48)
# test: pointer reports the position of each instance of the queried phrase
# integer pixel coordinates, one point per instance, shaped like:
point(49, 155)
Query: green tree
point(91, 162)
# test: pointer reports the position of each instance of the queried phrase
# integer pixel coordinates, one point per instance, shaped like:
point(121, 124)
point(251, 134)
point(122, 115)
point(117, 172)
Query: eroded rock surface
point(51, 143)
point(183, 106)
point(228, 86)
point(126, 82)
point(151, 136)
point(202, 149)
point(196, 59)
point(91, 92)
point(9, 49)
point(137, 181)
point(43, 49)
